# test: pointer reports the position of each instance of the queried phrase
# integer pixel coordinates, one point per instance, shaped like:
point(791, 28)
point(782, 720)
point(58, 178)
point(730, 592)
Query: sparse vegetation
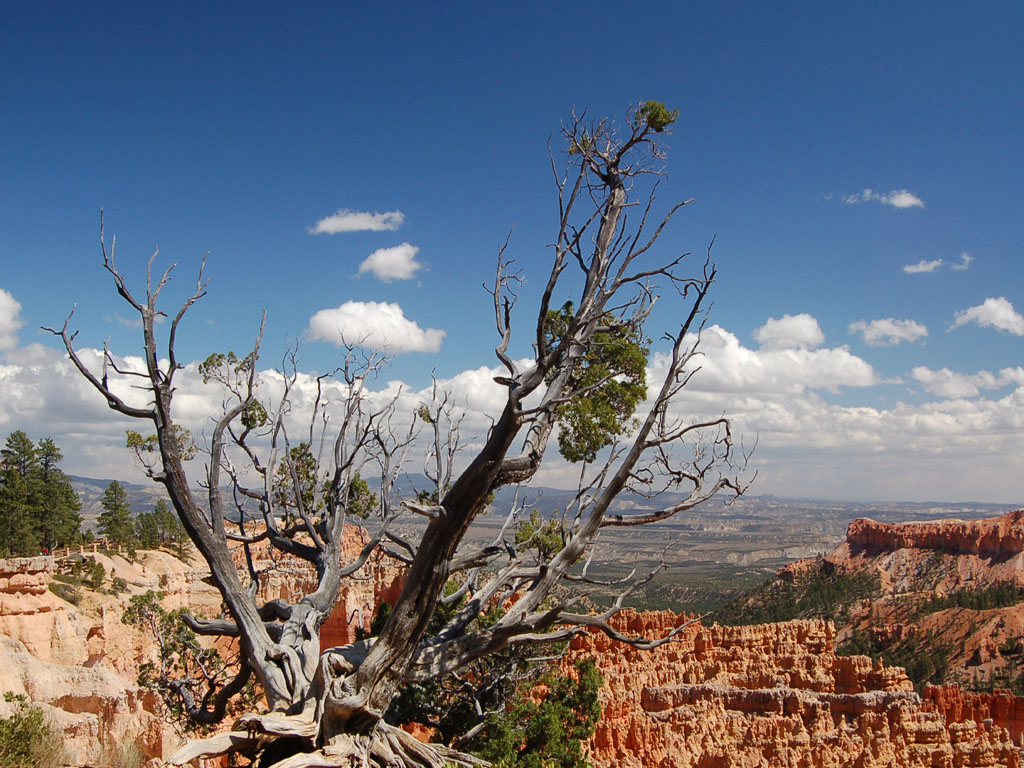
point(820, 592)
point(128, 755)
point(80, 573)
point(925, 657)
point(196, 684)
point(981, 598)
point(27, 740)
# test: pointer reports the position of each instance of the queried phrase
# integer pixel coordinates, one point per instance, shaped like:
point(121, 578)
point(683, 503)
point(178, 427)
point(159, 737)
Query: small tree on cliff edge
point(327, 705)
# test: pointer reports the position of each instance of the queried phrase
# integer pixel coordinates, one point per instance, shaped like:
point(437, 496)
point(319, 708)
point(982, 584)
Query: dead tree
point(326, 706)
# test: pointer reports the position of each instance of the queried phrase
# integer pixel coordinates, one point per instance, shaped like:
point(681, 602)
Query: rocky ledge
point(1001, 537)
point(770, 695)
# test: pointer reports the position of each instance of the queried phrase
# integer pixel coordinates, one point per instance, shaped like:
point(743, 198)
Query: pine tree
point(38, 506)
point(57, 511)
point(115, 522)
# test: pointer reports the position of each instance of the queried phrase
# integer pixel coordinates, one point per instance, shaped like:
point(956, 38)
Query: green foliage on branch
point(657, 116)
point(301, 459)
point(149, 444)
point(608, 381)
point(539, 536)
point(186, 674)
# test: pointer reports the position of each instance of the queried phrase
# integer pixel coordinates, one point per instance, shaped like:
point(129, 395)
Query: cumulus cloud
point(345, 220)
point(954, 384)
point(728, 366)
point(923, 266)
point(993, 313)
point(10, 320)
point(897, 198)
point(957, 446)
point(790, 331)
point(389, 264)
point(888, 331)
point(373, 324)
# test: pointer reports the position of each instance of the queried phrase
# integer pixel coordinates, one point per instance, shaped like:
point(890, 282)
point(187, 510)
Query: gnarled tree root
point(385, 747)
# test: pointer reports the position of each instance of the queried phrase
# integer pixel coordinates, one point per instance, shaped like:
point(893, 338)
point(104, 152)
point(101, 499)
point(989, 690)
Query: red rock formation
point(768, 695)
point(996, 537)
point(1001, 707)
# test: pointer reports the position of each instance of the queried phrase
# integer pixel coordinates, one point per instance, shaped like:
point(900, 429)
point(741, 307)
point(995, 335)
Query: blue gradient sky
point(201, 127)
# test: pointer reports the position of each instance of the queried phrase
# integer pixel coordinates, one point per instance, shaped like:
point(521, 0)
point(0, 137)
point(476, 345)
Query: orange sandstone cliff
point(79, 662)
point(769, 695)
point(943, 555)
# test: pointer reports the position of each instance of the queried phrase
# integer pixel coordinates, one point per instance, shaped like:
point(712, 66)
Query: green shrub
point(27, 740)
point(68, 592)
point(547, 733)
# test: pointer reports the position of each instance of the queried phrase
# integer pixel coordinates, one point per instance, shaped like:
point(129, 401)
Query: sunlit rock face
point(972, 552)
point(918, 561)
point(768, 695)
point(79, 662)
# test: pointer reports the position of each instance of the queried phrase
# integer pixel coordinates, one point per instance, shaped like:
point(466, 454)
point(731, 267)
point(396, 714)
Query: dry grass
point(123, 756)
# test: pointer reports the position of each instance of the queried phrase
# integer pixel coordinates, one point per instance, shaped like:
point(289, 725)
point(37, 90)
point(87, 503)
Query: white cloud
point(10, 321)
point(897, 198)
point(953, 384)
point(995, 313)
point(888, 331)
point(923, 266)
point(729, 367)
point(345, 220)
point(965, 262)
point(790, 331)
point(956, 447)
point(388, 264)
point(373, 324)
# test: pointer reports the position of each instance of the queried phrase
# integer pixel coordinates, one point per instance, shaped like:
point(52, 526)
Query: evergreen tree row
point(149, 530)
point(38, 507)
point(40, 510)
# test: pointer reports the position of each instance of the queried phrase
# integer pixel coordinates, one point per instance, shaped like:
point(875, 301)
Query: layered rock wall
point(1001, 537)
point(768, 695)
point(1001, 707)
point(79, 663)
point(31, 614)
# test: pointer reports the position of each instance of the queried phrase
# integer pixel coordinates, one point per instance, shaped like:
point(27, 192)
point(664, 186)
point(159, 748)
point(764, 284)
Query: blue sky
point(200, 127)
